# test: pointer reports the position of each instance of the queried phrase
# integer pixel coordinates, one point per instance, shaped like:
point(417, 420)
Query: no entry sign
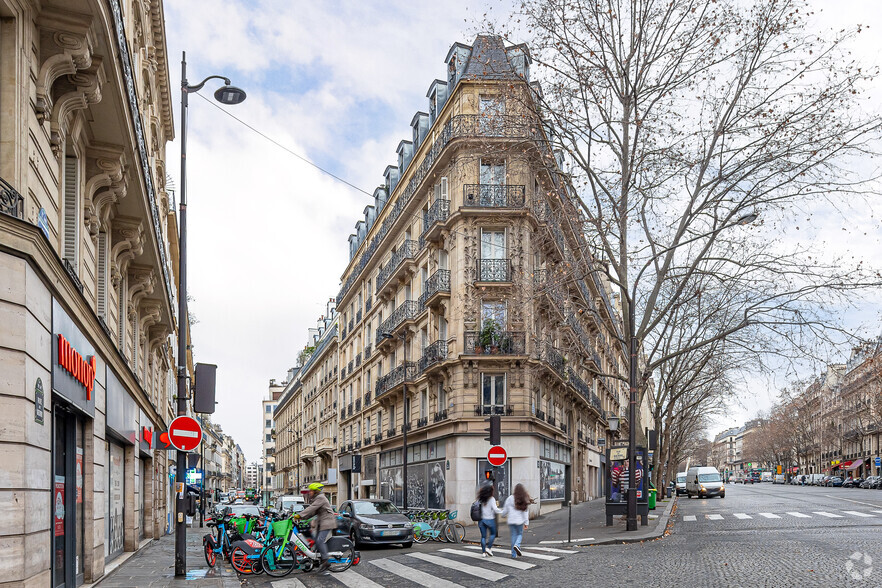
point(497, 455)
point(185, 433)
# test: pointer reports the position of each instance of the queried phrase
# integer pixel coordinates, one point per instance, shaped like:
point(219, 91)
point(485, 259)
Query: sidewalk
point(588, 527)
point(154, 566)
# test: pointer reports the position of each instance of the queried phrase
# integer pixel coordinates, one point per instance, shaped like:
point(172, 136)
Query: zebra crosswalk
point(448, 567)
point(784, 515)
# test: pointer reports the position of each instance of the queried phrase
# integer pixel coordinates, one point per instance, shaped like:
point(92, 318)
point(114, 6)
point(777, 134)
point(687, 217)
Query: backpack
point(475, 511)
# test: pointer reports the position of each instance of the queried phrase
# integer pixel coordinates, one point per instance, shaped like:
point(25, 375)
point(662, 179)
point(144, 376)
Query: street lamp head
point(747, 218)
point(613, 420)
point(229, 95)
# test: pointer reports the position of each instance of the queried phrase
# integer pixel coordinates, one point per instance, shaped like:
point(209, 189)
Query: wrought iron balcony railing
point(437, 213)
point(498, 343)
point(11, 202)
point(553, 358)
point(367, 398)
point(408, 310)
point(539, 276)
point(357, 316)
point(390, 432)
point(488, 409)
point(493, 195)
point(440, 416)
point(433, 354)
point(357, 404)
point(408, 250)
point(367, 351)
point(437, 282)
point(358, 359)
point(422, 421)
point(403, 373)
point(494, 270)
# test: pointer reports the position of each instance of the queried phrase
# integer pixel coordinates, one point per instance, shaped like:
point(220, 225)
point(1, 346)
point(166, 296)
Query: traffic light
point(494, 430)
point(488, 475)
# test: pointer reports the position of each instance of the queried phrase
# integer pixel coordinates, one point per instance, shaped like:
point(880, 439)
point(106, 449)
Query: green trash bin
point(651, 499)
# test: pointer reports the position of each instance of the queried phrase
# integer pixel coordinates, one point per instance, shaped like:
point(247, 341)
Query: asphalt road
point(760, 535)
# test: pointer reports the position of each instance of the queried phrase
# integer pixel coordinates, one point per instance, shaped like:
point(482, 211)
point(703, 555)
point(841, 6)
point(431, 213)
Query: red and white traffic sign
point(185, 433)
point(497, 455)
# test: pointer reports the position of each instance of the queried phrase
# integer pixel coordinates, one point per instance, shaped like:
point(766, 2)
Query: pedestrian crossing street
point(440, 569)
point(786, 515)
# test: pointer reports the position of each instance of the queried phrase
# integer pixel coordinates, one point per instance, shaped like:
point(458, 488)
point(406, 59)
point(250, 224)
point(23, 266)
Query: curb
point(660, 530)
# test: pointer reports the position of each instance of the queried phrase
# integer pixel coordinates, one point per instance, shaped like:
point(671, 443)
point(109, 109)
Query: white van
point(704, 482)
point(815, 480)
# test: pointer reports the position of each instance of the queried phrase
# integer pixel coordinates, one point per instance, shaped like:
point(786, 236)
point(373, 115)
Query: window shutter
point(102, 275)
point(437, 192)
point(70, 210)
point(444, 188)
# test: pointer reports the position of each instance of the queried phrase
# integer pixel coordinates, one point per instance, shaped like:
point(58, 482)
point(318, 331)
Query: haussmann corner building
point(470, 283)
point(87, 283)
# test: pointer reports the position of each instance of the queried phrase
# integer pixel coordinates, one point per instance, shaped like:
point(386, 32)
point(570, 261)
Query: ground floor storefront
point(446, 473)
point(80, 484)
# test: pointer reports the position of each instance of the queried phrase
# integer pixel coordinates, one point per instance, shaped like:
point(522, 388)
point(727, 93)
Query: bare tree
point(675, 122)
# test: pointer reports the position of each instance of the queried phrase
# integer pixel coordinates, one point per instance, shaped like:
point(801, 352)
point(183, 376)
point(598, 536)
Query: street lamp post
point(631, 524)
point(405, 418)
point(227, 94)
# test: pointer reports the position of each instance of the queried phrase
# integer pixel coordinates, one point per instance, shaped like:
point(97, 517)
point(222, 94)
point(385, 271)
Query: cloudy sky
point(334, 82)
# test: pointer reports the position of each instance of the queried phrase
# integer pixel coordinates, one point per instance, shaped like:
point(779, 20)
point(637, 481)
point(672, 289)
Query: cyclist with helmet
point(324, 524)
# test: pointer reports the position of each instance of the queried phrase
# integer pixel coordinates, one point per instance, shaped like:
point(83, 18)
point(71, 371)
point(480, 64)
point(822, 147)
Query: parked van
point(704, 482)
point(780, 479)
point(815, 480)
point(681, 483)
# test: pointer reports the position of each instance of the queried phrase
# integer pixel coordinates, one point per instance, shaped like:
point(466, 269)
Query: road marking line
point(828, 515)
point(483, 573)
point(549, 549)
point(714, 517)
point(413, 574)
point(689, 518)
point(741, 515)
point(878, 511)
point(524, 553)
point(184, 433)
point(874, 505)
point(769, 515)
point(288, 583)
point(559, 541)
point(799, 515)
point(354, 580)
point(503, 561)
point(858, 514)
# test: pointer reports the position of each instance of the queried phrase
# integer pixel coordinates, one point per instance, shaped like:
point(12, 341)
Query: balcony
point(406, 252)
point(540, 276)
point(369, 303)
point(406, 372)
point(436, 287)
point(422, 422)
point(358, 405)
point(493, 196)
point(433, 355)
point(357, 316)
point(11, 202)
point(494, 409)
point(367, 350)
point(462, 126)
point(439, 416)
point(349, 410)
point(555, 360)
point(367, 440)
point(350, 366)
point(367, 398)
point(390, 433)
point(377, 438)
point(493, 271)
point(407, 311)
point(434, 218)
point(498, 343)
point(358, 359)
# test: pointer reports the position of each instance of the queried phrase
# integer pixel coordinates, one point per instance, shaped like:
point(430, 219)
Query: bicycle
point(220, 545)
point(290, 550)
point(453, 532)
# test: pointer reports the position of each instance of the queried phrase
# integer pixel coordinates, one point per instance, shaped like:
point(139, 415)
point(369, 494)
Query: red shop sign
point(83, 371)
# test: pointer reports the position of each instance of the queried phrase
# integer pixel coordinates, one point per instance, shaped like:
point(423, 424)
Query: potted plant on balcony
point(488, 340)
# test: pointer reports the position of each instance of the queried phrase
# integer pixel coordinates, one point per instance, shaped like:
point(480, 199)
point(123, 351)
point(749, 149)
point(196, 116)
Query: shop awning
point(855, 464)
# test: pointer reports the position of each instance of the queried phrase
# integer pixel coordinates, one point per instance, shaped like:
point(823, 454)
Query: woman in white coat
point(516, 510)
